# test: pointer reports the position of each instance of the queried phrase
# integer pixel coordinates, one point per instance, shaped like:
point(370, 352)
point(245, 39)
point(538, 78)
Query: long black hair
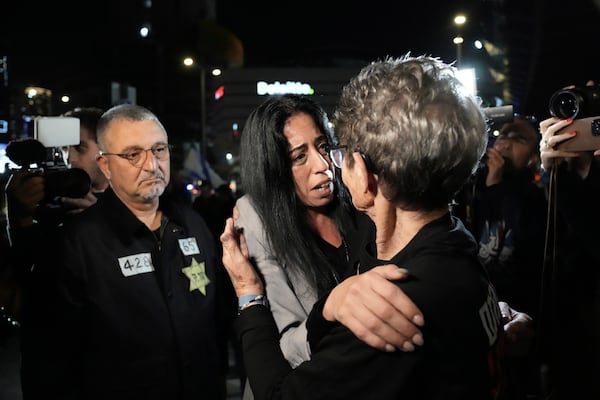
point(266, 177)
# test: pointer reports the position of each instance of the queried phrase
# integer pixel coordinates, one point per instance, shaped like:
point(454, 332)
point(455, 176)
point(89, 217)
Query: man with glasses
point(409, 140)
point(139, 283)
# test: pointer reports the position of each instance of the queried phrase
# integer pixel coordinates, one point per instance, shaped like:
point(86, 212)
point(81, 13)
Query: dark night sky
point(55, 34)
point(554, 42)
point(551, 43)
point(301, 31)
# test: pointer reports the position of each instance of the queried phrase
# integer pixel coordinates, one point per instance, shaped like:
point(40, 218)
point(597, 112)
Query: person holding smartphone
point(573, 182)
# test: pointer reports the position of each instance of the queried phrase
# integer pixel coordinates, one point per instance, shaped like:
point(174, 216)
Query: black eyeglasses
point(336, 153)
point(137, 157)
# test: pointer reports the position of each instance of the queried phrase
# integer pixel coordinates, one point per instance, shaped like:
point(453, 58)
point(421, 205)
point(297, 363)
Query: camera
point(583, 105)
point(498, 116)
point(44, 155)
point(578, 102)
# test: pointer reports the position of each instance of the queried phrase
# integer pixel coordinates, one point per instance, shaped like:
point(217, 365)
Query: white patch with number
point(136, 264)
point(189, 246)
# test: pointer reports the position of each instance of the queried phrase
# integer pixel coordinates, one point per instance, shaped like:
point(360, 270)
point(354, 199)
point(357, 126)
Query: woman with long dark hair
point(302, 231)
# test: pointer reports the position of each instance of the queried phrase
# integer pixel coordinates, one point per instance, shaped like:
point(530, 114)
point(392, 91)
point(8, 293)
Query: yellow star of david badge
point(197, 275)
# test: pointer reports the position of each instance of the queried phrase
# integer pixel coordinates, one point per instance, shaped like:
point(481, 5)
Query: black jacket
point(135, 323)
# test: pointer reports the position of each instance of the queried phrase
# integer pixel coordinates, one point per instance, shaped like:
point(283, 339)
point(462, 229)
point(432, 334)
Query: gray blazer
point(290, 297)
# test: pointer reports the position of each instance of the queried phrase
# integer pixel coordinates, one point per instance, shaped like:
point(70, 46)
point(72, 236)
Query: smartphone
point(587, 138)
point(56, 131)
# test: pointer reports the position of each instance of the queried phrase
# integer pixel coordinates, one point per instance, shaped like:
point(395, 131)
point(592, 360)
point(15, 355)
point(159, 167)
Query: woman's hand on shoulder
point(376, 310)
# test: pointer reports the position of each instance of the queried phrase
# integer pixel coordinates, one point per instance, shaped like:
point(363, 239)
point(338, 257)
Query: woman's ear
point(365, 183)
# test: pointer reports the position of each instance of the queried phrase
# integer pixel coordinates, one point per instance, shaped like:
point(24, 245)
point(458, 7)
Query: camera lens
point(565, 104)
point(578, 102)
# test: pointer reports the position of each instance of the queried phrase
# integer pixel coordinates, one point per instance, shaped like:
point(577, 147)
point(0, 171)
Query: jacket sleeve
point(290, 298)
point(264, 362)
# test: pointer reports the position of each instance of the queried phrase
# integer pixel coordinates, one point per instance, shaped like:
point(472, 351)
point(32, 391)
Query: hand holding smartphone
point(587, 138)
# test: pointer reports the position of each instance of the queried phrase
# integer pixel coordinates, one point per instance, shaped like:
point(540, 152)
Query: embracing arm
point(376, 310)
point(370, 305)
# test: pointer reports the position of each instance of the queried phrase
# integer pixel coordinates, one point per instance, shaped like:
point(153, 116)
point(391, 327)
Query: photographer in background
point(573, 261)
point(83, 155)
point(505, 210)
point(32, 224)
point(504, 207)
point(25, 190)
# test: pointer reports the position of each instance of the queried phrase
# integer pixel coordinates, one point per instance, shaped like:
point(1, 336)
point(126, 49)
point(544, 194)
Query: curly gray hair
point(421, 133)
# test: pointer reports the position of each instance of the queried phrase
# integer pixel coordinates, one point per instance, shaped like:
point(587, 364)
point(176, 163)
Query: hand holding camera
point(44, 177)
point(555, 131)
point(495, 164)
point(78, 204)
point(573, 128)
point(582, 105)
point(24, 191)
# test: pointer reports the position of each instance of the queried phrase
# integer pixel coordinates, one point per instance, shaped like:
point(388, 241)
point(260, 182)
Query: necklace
point(346, 249)
point(347, 254)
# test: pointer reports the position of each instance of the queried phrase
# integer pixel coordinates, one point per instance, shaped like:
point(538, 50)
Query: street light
point(458, 41)
point(189, 62)
point(459, 21)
